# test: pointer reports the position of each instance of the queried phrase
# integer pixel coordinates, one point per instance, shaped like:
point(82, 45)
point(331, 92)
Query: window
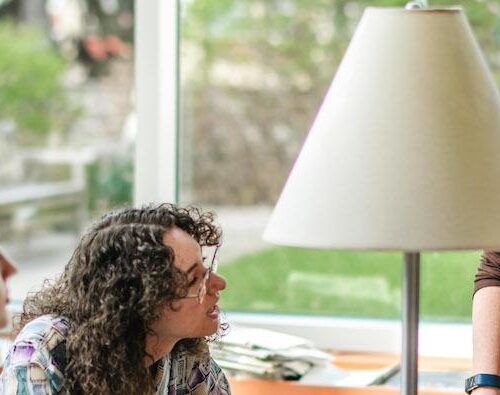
point(226, 91)
point(251, 77)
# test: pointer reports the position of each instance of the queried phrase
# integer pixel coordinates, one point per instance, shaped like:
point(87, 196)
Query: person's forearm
point(486, 335)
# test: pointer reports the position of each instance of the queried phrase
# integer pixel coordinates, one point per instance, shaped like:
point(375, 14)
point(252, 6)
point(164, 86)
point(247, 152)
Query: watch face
point(470, 384)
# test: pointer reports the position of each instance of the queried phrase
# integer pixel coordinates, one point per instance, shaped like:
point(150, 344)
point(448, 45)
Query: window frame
point(157, 101)
point(156, 179)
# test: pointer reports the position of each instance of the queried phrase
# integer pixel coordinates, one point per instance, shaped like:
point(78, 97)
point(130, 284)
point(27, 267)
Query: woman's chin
point(211, 328)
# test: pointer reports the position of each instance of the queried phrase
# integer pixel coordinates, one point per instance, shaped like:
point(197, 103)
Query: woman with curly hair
point(131, 313)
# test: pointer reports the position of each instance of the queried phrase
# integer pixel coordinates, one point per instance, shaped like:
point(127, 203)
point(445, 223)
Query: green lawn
point(354, 284)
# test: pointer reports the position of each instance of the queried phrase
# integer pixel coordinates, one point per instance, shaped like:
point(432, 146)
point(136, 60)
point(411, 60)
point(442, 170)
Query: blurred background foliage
point(110, 183)
point(348, 283)
point(32, 94)
point(65, 79)
point(254, 73)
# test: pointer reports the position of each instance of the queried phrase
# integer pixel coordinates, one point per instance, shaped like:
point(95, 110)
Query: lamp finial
point(417, 4)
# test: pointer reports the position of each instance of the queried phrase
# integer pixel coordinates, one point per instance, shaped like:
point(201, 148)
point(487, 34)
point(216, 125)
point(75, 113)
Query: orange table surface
point(347, 360)
point(261, 387)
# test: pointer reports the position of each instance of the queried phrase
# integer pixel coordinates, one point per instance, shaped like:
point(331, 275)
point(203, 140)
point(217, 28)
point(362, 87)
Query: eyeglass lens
point(212, 268)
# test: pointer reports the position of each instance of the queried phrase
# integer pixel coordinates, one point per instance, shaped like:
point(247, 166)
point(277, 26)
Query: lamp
point(404, 153)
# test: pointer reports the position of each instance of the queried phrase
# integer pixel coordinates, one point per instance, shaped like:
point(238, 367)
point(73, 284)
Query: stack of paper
point(267, 354)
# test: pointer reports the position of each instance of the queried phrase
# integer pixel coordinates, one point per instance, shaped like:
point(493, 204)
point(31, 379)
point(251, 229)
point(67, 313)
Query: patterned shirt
point(36, 362)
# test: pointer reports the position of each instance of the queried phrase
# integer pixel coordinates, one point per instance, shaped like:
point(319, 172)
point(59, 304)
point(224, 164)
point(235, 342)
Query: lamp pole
point(410, 300)
point(410, 311)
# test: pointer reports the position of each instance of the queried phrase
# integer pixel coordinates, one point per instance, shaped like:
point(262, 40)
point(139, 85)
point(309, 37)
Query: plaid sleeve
point(25, 379)
point(31, 366)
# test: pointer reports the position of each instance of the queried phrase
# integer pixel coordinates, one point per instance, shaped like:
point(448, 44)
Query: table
point(351, 360)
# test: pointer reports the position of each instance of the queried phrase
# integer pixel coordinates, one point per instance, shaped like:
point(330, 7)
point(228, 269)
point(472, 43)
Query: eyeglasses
point(212, 268)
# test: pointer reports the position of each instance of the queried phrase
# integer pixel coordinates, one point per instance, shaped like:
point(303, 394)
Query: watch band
point(481, 380)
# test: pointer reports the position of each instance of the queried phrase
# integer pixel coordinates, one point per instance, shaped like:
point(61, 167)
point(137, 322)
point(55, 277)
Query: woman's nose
point(7, 267)
point(216, 282)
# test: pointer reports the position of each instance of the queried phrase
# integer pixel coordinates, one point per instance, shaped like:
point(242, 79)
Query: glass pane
point(253, 76)
point(66, 127)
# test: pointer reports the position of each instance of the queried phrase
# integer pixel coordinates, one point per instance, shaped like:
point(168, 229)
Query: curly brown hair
point(111, 290)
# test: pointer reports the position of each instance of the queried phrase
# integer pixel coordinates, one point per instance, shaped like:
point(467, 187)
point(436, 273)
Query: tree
point(31, 91)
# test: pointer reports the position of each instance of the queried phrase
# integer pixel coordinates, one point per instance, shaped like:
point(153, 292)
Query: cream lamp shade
point(404, 153)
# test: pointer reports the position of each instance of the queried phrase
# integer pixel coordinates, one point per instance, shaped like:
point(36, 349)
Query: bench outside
point(27, 208)
point(51, 205)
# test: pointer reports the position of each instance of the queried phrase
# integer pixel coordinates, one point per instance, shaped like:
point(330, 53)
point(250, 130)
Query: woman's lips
point(214, 312)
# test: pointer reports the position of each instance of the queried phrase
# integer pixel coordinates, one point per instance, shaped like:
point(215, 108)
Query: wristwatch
point(481, 380)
